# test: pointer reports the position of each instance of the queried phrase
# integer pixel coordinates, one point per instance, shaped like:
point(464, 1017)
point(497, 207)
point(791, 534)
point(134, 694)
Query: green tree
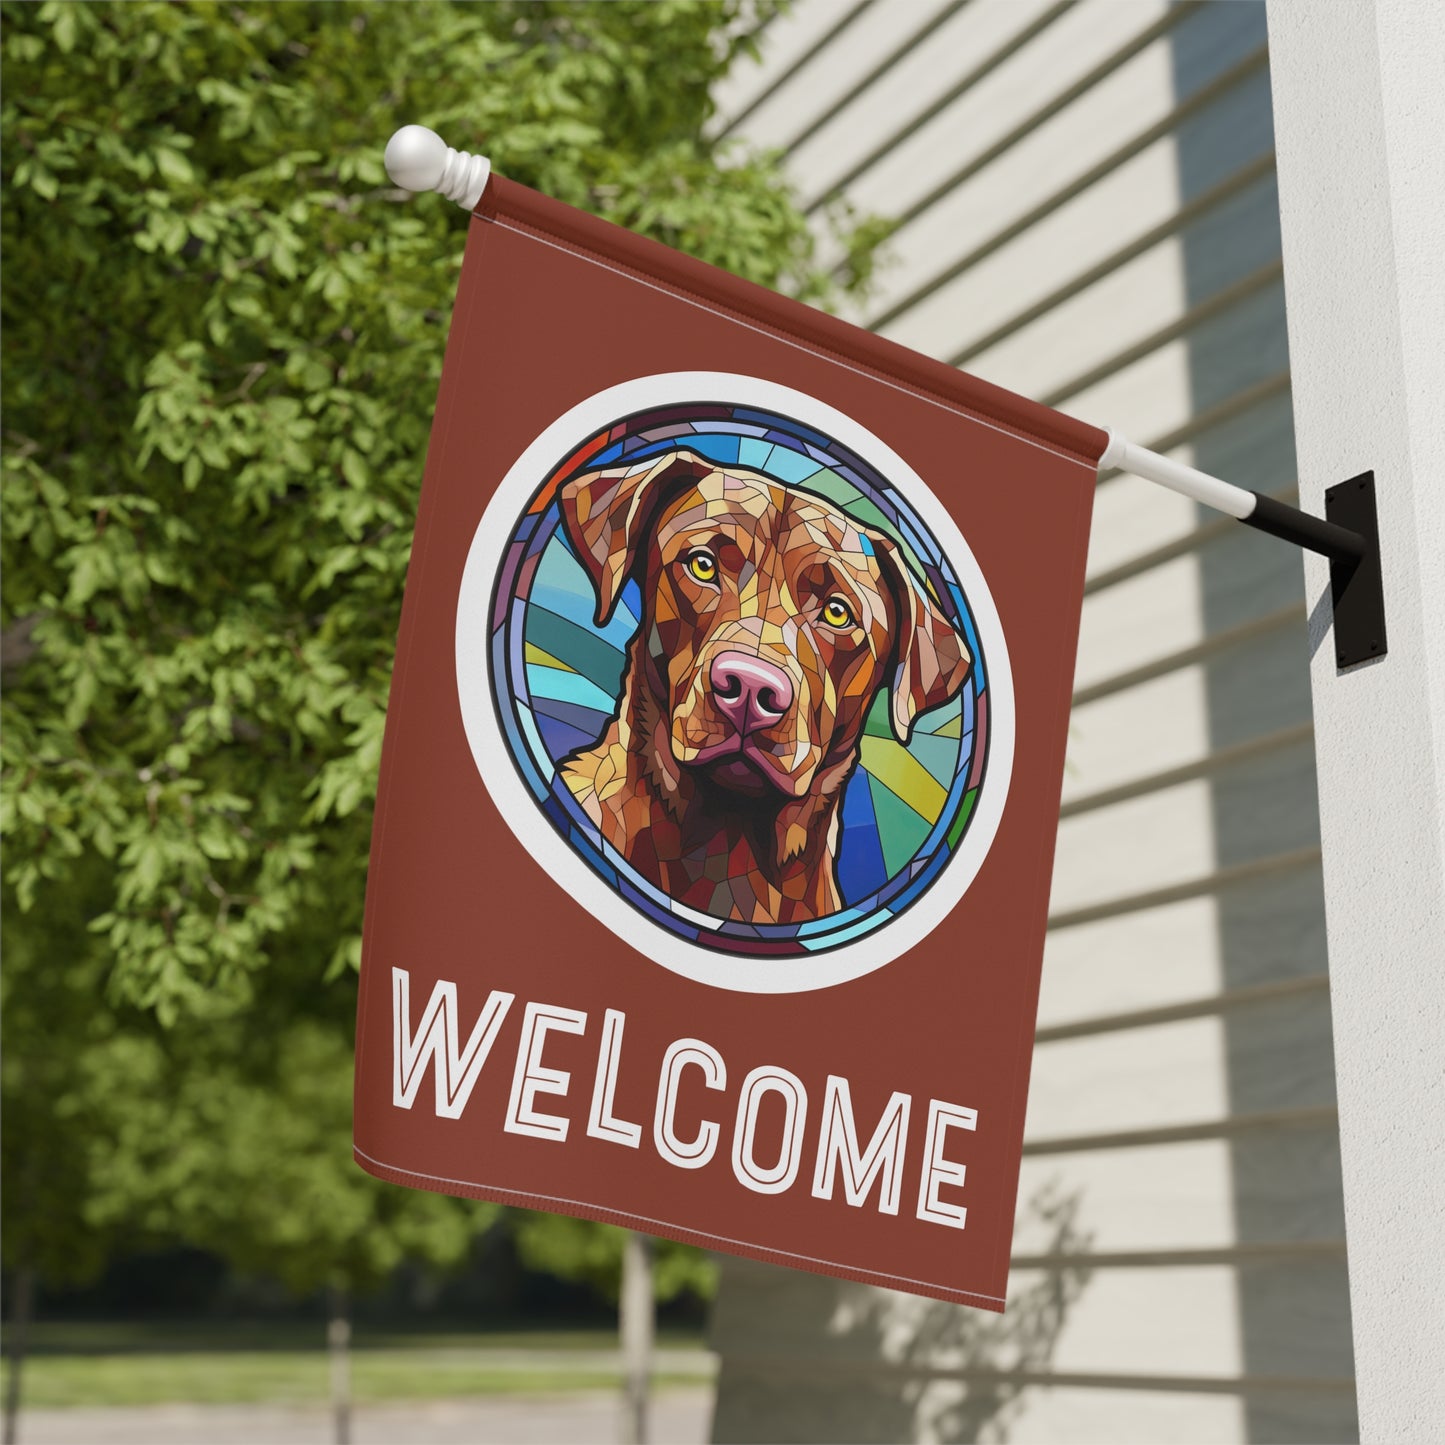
point(222, 334)
point(591, 1253)
point(223, 329)
point(231, 1132)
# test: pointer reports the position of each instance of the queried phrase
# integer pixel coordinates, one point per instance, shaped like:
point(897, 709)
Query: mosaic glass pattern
point(654, 587)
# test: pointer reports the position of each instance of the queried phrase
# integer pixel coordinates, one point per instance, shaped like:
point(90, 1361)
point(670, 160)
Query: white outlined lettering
point(775, 1179)
point(698, 1152)
point(437, 1038)
point(602, 1123)
point(938, 1170)
point(838, 1146)
point(533, 1077)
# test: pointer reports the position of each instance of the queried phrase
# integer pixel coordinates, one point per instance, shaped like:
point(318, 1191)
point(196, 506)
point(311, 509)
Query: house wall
point(1360, 115)
point(1089, 216)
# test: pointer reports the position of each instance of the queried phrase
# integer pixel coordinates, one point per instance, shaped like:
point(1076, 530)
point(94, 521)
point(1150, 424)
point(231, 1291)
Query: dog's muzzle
point(748, 696)
point(750, 693)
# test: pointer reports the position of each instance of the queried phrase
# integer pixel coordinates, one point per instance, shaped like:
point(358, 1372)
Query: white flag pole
point(1256, 509)
point(1122, 454)
point(1348, 535)
point(418, 159)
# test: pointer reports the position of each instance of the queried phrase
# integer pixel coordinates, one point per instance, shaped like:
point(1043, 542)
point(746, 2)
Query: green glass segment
point(900, 830)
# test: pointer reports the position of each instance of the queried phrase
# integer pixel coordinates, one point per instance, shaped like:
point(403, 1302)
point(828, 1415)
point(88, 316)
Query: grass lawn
point(120, 1365)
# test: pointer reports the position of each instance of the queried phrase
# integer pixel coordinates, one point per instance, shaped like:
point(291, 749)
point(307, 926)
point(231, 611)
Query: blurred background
point(223, 331)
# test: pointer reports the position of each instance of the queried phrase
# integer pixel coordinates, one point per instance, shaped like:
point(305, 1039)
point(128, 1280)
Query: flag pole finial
point(418, 159)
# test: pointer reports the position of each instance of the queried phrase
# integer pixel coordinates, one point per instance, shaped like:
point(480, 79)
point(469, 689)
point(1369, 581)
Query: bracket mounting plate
point(1357, 587)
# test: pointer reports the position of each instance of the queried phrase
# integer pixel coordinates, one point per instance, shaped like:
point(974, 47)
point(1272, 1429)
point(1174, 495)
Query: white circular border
point(796, 973)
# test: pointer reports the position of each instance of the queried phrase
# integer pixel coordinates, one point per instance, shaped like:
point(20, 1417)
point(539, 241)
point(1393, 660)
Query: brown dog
point(770, 622)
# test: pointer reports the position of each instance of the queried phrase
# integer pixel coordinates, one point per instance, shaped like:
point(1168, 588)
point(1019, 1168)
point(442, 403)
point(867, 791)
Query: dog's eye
point(702, 564)
point(837, 613)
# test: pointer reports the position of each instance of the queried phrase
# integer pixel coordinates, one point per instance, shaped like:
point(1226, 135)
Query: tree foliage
point(590, 1253)
point(121, 1134)
point(223, 331)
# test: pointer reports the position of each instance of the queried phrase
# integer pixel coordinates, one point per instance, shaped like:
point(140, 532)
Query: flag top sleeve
point(505, 202)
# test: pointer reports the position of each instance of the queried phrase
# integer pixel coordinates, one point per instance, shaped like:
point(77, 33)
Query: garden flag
point(722, 768)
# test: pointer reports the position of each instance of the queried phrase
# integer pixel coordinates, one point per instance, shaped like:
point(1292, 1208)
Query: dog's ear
point(931, 659)
point(606, 514)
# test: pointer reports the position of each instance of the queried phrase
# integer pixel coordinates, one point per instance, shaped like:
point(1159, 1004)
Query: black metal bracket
point(1349, 535)
point(1357, 590)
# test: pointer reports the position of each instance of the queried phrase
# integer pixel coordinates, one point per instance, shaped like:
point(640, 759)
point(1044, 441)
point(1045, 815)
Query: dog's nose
point(750, 693)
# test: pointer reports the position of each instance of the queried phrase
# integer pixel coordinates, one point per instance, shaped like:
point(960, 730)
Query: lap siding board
point(1181, 1183)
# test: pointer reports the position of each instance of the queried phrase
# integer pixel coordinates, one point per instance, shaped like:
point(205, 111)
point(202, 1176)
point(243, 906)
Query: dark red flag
point(722, 768)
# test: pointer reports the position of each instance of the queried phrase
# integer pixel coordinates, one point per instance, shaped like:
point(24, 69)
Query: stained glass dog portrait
point(771, 621)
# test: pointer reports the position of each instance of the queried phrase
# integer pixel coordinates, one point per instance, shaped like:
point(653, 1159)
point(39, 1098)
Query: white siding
point(1090, 218)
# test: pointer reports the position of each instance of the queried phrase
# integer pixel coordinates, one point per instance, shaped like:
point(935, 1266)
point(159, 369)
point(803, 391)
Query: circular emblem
point(732, 675)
